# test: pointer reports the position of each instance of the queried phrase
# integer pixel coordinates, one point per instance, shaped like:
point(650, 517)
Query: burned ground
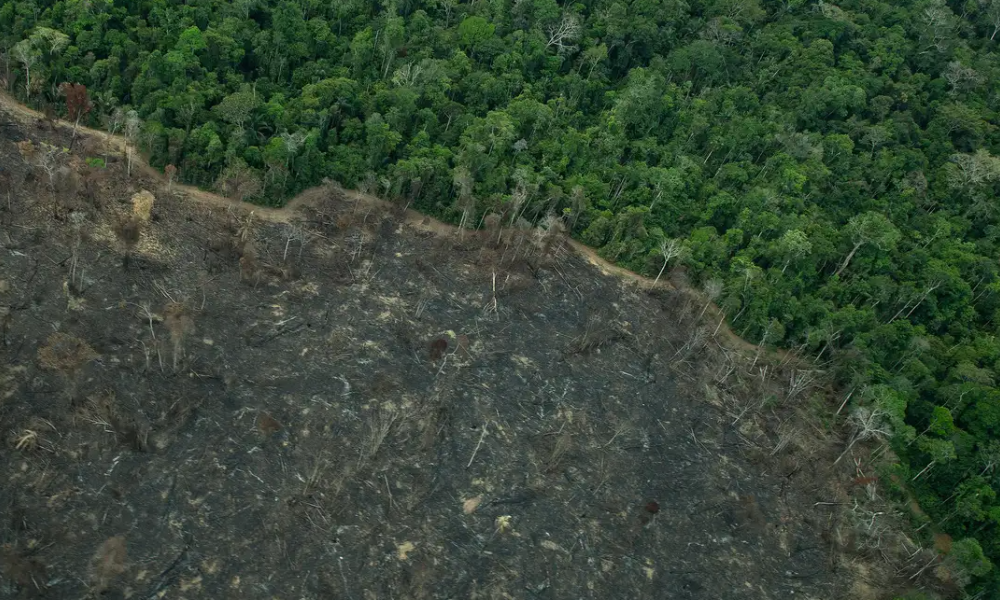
point(345, 405)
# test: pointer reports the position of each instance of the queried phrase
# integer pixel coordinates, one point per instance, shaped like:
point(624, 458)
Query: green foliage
point(968, 559)
point(833, 167)
point(474, 32)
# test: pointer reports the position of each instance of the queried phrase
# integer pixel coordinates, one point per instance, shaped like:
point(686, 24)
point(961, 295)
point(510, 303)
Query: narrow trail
point(289, 212)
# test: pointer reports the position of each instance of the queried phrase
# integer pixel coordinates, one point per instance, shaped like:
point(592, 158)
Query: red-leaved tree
point(77, 104)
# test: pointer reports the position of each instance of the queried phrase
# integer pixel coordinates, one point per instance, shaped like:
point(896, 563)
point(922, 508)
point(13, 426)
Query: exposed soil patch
point(342, 404)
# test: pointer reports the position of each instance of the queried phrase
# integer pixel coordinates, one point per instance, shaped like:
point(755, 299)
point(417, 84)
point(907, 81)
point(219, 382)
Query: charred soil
point(197, 402)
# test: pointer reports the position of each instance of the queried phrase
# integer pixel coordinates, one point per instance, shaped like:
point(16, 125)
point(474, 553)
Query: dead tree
point(133, 126)
point(46, 158)
point(563, 33)
point(550, 238)
point(112, 123)
point(868, 423)
point(463, 183)
point(670, 249)
point(296, 233)
point(77, 105)
point(713, 288)
point(180, 324)
point(92, 180)
point(75, 284)
point(170, 171)
point(129, 231)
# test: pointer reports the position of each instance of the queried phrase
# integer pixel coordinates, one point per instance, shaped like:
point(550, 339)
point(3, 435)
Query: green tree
point(968, 561)
point(869, 228)
point(42, 45)
point(237, 107)
point(474, 32)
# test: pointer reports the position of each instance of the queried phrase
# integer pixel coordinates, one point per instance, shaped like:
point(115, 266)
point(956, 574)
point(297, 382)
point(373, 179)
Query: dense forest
point(828, 173)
